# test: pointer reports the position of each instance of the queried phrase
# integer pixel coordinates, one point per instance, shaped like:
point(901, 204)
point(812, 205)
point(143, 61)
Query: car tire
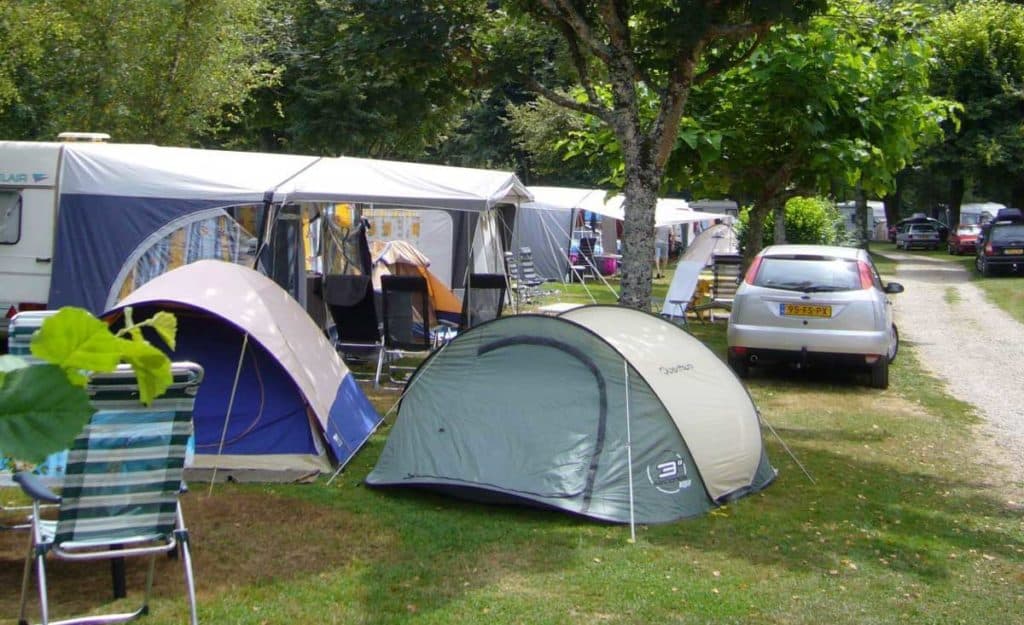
point(951, 250)
point(740, 366)
point(880, 374)
point(895, 349)
point(986, 270)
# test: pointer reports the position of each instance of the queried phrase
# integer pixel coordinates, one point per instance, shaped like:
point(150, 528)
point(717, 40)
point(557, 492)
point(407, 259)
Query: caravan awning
point(407, 185)
point(669, 211)
point(149, 171)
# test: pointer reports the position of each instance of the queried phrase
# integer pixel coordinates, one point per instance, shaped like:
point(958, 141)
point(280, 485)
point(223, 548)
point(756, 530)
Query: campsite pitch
point(900, 525)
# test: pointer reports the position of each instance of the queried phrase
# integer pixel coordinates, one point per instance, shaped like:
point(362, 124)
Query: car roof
point(925, 226)
point(834, 251)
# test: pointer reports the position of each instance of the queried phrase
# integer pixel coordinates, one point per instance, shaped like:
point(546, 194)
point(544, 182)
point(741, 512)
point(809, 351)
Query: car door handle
point(43, 260)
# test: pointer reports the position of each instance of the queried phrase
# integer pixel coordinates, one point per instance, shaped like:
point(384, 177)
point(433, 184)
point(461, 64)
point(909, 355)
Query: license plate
point(805, 310)
point(1013, 252)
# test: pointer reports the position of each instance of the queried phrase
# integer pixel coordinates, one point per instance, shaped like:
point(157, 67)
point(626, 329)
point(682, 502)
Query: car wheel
point(880, 374)
point(740, 366)
point(951, 250)
point(986, 270)
point(894, 343)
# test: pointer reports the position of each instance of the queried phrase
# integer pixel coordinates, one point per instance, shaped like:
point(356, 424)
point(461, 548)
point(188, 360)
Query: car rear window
point(808, 273)
point(1007, 233)
point(922, 228)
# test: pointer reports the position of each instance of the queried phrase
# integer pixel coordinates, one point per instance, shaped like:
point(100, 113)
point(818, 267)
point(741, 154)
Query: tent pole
point(231, 404)
point(629, 458)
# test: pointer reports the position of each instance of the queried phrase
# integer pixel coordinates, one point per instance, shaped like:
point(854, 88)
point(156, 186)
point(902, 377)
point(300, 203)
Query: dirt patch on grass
point(239, 539)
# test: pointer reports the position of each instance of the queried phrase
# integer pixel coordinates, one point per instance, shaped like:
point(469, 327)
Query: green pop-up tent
point(604, 411)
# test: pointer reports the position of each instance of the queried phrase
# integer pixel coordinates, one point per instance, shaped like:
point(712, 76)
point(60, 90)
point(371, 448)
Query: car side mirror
point(893, 288)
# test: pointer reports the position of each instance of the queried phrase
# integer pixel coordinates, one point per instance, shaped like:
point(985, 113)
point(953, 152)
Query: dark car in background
point(1000, 244)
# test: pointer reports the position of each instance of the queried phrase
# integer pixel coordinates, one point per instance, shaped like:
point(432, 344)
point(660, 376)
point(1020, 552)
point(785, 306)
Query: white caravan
point(28, 209)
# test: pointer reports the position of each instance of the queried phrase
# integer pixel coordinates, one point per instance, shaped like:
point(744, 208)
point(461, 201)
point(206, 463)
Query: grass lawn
point(901, 524)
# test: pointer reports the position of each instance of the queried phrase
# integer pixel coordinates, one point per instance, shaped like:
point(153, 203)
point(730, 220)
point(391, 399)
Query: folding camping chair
point(587, 245)
point(22, 328)
point(353, 307)
point(120, 491)
point(406, 315)
point(483, 299)
point(726, 270)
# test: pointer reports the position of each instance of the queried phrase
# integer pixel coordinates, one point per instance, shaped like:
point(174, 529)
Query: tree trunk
point(1016, 196)
point(864, 216)
point(893, 200)
point(779, 212)
point(641, 194)
point(956, 198)
point(755, 226)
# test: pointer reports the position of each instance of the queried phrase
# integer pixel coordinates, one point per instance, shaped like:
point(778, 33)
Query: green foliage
point(980, 64)
point(810, 220)
point(146, 70)
point(43, 407)
point(42, 412)
point(363, 77)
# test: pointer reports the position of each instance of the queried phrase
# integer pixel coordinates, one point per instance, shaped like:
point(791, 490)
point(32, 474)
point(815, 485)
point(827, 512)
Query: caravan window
point(10, 217)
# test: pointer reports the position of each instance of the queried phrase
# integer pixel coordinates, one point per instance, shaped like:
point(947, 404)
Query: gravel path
point(975, 347)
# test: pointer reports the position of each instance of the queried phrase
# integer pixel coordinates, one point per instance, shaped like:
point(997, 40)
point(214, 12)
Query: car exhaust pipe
point(753, 358)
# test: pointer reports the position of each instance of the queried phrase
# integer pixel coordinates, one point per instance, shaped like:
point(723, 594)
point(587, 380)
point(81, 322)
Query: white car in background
point(813, 304)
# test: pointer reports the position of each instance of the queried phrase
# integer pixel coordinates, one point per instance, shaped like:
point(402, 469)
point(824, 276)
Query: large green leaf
point(41, 412)
point(152, 368)
point(77, 342)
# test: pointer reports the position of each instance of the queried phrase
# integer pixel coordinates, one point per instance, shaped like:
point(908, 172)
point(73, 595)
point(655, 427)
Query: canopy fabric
point(718, 239)
point(711, 409)
point(149, 171)
point(410, 185)
point(668, 212)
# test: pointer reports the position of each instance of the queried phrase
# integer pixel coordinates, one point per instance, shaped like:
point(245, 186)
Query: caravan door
point(28, 196)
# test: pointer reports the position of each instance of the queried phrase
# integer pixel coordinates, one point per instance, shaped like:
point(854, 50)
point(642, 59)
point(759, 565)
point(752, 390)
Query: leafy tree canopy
point(980, 52)
point(146, 70)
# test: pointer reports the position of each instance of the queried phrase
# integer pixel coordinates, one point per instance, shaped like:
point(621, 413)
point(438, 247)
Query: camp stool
point(120, 493)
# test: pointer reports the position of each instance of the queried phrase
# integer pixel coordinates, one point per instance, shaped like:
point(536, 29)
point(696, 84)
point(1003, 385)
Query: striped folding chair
point(120, 492)
point(23, 327)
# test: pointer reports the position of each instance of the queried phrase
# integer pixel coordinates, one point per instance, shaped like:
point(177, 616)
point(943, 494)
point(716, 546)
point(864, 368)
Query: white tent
point(545, 223)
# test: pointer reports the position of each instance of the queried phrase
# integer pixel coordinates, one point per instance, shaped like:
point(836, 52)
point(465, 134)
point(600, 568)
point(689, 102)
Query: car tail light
point(867, 280)
point(988, 249)
point(871, 359)
point(752, 272)
point(738, 351)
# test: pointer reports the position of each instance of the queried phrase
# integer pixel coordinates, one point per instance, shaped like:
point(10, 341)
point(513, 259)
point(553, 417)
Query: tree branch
point(729, 61)
point(566, 12)
point(603, 114)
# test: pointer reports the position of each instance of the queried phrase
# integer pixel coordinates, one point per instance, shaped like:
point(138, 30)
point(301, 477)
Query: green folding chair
point(121, 487)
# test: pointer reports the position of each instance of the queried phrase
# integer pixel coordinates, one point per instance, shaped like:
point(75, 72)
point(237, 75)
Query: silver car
point(914, 235)
point(808, 304)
